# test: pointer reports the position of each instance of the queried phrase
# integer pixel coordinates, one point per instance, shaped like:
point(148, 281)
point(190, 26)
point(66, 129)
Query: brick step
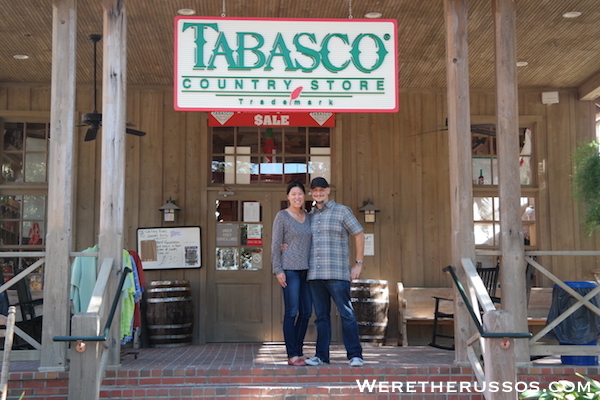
point(241, 392)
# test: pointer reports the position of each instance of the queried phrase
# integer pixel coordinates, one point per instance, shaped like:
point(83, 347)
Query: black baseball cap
point(319, 182)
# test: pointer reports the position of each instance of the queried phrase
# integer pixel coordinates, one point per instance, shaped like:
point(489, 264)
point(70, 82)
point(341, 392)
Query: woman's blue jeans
point(322, 292)
point(298, 308)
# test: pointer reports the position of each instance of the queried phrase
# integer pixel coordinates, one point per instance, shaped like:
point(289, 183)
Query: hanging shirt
point(83, 279)
point(127, 301)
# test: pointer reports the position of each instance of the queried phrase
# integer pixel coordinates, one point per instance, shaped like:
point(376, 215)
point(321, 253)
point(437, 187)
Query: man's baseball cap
point(319, 182)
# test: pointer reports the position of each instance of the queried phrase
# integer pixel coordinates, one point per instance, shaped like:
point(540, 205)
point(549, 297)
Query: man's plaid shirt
point(331, 229)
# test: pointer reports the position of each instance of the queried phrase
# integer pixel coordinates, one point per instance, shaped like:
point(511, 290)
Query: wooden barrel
point(169, 313)
point(371, 302)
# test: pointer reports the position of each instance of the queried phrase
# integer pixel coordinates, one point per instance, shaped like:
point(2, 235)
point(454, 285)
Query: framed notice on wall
point(168, 248)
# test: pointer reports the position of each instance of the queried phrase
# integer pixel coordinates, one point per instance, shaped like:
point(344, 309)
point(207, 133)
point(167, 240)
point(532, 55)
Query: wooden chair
point(489, 276)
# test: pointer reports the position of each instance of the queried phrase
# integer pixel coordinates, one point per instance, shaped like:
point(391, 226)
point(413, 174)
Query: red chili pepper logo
point(296, 92)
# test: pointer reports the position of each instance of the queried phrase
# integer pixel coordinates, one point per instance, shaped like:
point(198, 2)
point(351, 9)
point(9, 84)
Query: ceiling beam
point(590, 90)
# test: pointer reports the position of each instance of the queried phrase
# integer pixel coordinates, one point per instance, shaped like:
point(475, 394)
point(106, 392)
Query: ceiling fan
point(482, 129)
point(94, 119)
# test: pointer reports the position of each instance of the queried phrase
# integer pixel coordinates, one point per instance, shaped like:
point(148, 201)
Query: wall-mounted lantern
point(169, 209)
point(369, 210)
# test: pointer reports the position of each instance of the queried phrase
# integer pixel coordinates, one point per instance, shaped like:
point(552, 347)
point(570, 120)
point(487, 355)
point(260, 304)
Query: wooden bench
point(416, 305)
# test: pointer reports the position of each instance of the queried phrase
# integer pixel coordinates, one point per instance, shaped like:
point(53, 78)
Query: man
point(330, 271)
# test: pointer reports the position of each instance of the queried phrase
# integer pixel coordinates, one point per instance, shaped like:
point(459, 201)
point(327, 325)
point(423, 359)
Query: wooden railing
point(540, 349)
point(35, 353)
point(495, 341)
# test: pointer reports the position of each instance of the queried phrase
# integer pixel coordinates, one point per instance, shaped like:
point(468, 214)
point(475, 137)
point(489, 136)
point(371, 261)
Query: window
point(23, 193)
point(486, 215)
point(251, 155)
point(239, 243)
point(486, 207)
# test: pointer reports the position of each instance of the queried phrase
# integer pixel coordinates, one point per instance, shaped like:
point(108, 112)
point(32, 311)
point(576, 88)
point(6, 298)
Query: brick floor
point(255, 370)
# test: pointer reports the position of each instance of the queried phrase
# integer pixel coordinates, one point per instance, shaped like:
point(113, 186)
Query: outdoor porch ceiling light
point(373, 15)
point(571, 14)
point(168, 210)
point(522, 63)
point(186, 11)
point(20, 56)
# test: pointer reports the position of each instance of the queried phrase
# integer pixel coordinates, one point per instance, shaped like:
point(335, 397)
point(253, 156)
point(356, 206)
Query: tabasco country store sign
point(285, 65)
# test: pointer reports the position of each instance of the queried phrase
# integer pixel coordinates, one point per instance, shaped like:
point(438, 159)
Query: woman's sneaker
point(315, 361)
point(355, 362)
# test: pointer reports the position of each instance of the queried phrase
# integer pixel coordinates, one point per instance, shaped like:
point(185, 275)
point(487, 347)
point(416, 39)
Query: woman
point(292, 227)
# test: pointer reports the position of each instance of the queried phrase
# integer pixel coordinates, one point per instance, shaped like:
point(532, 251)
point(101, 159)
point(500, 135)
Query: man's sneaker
point(315, 361)
point(354, 362)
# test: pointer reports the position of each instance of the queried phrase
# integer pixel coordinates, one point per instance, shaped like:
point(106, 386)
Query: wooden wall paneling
point(431, 197)
point(40, 98)
point(366, 176)
point(559, 170)
point(132, 172)
point(173, 173)
point(378, 179)
point(3, 98)
point(578, 234)
point(19, 97)
point(348, 150)
point(197, 211)
point(411, 190)
point(444, 229)
point(388, 247)
point(151, 163)
point(87, 183)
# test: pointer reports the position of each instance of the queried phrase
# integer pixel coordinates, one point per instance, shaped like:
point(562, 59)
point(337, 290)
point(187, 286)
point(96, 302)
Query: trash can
point(581, 327)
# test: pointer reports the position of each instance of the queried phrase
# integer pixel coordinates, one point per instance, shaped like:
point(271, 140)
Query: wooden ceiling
point(561, 52)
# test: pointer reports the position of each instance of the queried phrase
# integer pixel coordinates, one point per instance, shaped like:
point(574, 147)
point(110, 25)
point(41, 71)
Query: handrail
point(482, 333)
point(109, 320)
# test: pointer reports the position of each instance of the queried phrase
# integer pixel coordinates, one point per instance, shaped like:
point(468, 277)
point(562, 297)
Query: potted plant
point(567, 390)
point(586, 183)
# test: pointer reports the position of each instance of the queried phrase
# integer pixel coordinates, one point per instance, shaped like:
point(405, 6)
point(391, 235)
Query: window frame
point(532, 190)
point(27, 188)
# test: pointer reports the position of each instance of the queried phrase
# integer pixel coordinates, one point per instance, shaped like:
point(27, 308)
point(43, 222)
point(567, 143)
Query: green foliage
point(586, 183)
point(566, 390)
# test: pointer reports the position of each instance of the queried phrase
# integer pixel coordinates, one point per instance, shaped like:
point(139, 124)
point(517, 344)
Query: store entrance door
point(245, 301)
point(239, 273)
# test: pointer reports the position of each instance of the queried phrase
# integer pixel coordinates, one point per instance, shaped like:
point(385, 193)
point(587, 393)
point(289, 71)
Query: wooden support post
point(459, 138)
point(499, 356)
point(85, 373)
point(60, 187)
point(512, 274)
point(112, 182)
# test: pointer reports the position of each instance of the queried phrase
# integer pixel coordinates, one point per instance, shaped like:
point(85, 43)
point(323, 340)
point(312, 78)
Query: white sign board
point(164, 248)
point(245, 64)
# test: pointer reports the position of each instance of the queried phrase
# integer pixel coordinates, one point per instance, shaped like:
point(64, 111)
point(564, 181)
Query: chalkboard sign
point(165, 248)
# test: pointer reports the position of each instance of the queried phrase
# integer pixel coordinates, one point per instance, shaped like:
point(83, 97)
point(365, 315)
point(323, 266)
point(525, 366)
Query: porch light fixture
point(169, 209)
point(369, 211)
point(20, 56)
point(373, 15)
point(571, 14)
point(186, 11)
